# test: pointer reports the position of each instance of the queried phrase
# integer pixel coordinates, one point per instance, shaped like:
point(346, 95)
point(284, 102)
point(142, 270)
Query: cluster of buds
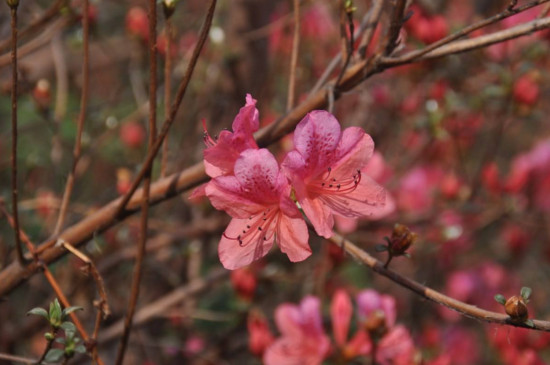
point(400, 241)
point(516, 306)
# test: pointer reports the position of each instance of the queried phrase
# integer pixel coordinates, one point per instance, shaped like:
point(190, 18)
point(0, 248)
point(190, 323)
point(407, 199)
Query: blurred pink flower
point(303, 339)
point(396, 348)
point(260, 337)
point(417, 188)
point(325, 171)
point(370, 302)
point(258, 199)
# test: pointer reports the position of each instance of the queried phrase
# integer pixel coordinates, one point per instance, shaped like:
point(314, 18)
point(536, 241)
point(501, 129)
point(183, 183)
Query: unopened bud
point(516, 308)
point(375, 323)
point(401, 239)
point(49, 336)
point(168, 6)
point(13, 3)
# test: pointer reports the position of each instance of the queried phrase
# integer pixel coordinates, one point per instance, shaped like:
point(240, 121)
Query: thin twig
point(14, 193)
point(395, 26)
point(371, 28)
point(175, 106)
point(173, 185)
point(169, 30)
point(347, 19)
point(467, 30)
point(294, 57)
point(465, 309)
point(138, 265)
point(38, 24)
point(81, 117)
point(18, 359)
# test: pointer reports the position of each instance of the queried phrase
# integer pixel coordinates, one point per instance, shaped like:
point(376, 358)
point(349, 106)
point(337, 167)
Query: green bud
point(13, 3)
point(49, 336)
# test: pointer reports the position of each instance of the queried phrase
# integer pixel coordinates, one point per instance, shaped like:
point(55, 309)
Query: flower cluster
point(304, 341)
point(323, 173)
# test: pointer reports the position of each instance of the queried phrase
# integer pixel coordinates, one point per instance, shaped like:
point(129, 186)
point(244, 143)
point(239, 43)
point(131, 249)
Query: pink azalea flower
point(258, 199)
point(260, 337)
point(396, 348)
point(221, 154)
point(370, 301)
point(325, 171)
point(303, 341)
point(341, 311)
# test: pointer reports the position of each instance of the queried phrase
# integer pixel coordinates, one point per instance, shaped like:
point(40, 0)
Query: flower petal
point(316, 138)
point(233, 254)
point(258, 174)
point(225, 193)
point(340, 313)
point(292, 237)
point(368, 198)
point(353, 152)
point(247, 121)
point(319, 215)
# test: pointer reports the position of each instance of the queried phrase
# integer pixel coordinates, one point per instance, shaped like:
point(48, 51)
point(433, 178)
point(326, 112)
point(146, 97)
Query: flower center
point(258, 228)
point(329, 184)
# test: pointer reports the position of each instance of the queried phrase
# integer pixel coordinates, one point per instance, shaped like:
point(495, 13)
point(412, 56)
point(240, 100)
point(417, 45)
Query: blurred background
point(462, 145)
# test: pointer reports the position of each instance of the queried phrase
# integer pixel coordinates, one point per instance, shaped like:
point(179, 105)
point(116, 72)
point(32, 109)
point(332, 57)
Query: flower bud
point(168, 6)
point(375, 323)
point(401, 239)
point(49, 336)
point(13, 3)
point(516, 308)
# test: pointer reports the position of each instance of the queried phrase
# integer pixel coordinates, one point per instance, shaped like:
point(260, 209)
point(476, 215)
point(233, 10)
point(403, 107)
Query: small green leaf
point(54, 355)
point(60, 340)
point(500, 299)
point(530, 323)
point(81, 349)
point(525, 293)
point(49, 336)
point(68, 326)
point(39, 312)
point(380, 248)
point(69, 310)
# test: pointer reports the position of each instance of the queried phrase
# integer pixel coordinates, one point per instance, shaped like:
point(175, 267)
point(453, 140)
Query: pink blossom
point(221, 154)
point(396, 347)
point(303, 339)
point(417, 188)
point(325, 171)
point(257, 197)
point(370, 301)
point(260, 337)
point(341, 311)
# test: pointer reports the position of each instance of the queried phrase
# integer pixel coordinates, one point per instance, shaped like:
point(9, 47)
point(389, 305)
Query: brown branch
point(169, 30)
point(175, 106)
point(38, 24)
point(17, 359)
point(371, 28)
point(138, 265)
point(469, 29)
point(176, 183)
point(294, 57)
point(474, 43)
point(395, 26)
point(465, 309)
point(14, 192)
point(81, 117)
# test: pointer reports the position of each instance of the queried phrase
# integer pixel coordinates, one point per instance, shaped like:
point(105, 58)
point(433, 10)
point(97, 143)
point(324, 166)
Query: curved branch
point(467, 310)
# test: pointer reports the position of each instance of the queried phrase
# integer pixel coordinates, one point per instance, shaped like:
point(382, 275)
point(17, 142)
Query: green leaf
point(80, 349)
point(54, 355)
point(69, 310)
point(530, 323)
point(500, 299)
point(39, 312)
point(525, 293)
point(380, 248)
point(60, 340)
point(68, 327)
